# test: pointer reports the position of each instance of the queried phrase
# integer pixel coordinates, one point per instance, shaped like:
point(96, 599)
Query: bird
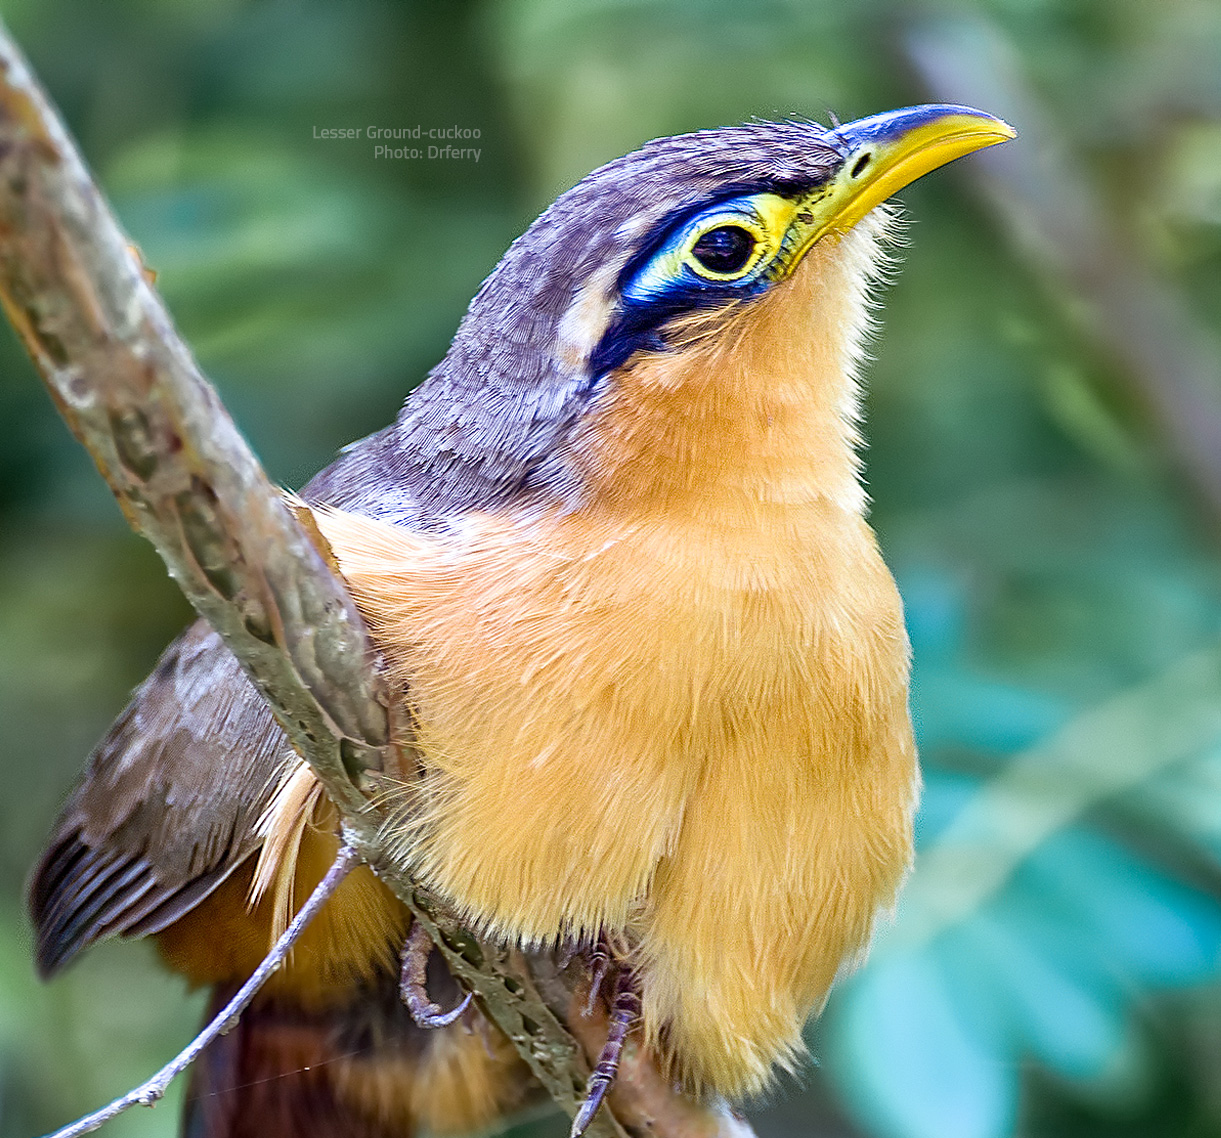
point(614, 551)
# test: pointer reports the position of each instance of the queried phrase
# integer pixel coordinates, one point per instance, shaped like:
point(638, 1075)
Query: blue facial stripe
point(667, 272)
point(660, 283)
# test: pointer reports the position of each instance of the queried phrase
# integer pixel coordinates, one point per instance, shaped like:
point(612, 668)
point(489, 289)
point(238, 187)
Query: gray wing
point(167, 807)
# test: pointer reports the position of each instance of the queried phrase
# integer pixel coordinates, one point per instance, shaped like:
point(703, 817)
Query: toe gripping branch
point(624, 1009)
point(413, 983)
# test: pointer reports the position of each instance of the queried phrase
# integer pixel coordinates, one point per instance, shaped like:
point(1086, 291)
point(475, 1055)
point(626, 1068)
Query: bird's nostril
point(861, 163)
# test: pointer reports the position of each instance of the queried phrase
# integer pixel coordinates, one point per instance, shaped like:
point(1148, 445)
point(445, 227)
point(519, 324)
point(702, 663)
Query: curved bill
point(884, 153)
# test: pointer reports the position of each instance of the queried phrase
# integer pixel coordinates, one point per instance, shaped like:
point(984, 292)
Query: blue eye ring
point(667, 279)
point(674, 269)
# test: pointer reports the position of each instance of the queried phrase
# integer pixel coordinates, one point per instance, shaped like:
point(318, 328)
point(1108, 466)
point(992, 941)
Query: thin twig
point(150, 1092)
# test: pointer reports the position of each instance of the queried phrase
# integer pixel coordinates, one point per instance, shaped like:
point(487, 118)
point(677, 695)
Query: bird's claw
point(625, 1007)
point(413, 983)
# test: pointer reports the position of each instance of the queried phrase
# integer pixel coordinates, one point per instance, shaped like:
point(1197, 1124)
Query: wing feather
point(167, 807)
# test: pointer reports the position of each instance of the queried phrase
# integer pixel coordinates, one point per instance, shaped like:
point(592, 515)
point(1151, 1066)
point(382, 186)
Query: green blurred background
point(1042, 406)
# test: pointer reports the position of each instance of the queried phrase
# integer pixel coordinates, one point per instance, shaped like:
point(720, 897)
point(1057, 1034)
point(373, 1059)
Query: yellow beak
point(884, 153)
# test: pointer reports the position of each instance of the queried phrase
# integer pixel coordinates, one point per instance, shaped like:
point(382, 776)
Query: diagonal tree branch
point(186, 479)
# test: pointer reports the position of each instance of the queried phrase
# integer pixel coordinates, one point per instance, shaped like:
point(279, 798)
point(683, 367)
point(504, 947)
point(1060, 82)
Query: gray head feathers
point(482, 426)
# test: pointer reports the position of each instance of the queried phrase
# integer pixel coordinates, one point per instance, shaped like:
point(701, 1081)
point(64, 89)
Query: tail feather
point(363, 1070)
point(274, 1076)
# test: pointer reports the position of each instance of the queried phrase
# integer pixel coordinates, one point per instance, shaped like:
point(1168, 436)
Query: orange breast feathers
point(679, 711)
point(622, 734)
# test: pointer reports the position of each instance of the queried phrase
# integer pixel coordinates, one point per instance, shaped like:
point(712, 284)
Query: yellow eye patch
point(726, 249)
point(731, 242)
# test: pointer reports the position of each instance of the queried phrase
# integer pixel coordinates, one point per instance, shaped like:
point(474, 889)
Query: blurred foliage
point(1055, 967)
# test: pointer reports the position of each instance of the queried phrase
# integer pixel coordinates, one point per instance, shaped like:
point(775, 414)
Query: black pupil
point(724, 249)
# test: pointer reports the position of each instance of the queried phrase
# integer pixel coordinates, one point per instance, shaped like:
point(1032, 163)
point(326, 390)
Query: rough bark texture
point(74, 288)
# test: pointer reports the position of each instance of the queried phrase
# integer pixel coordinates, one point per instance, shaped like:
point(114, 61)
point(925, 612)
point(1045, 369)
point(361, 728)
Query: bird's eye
point(724, 250)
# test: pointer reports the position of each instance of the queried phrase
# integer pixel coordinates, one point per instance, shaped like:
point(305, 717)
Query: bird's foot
point(599, 961)
point(624, 1009)
point(413, 983)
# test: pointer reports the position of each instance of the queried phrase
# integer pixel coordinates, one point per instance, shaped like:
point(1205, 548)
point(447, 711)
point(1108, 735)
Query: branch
point(152, 1090)
point(185, 478)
